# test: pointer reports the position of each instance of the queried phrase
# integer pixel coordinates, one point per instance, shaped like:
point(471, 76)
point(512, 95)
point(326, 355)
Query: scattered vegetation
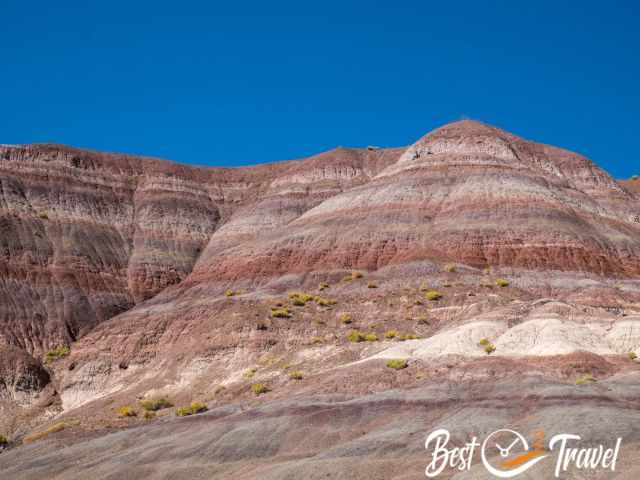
point(280, 313)
point(323, 286)
point(57, 353)
point(155, 404)
point(127, 411)
point(501, 282)
point(3, 440)
point(372, 285)
point(229, 293)
point(408, 336)
point(371, 337)
point(317, 340)
point(297, 375)
point(55, 428)
point(149, 415)
point(424, 287)
point(356, 337)
point(43, 216)
point(299, 298)
point(484, 342)
point(450, 268)
point(259, 388)
point(193, 409)
point(391, 334)
point(489, 349)
point(632, 356)
point(346, 318)
point(397, 363)
point(433, 295)
point(585, 379)
point(324, 302)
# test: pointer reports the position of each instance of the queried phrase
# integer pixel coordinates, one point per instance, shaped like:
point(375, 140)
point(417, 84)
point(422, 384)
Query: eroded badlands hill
point(179, 281)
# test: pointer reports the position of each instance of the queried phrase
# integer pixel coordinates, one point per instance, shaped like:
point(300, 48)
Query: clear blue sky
point(232, 83)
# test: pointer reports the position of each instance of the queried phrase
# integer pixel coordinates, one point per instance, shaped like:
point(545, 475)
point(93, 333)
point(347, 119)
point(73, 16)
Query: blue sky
point(233, 83)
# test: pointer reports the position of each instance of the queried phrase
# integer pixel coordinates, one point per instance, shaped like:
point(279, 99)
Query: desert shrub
point(408, 336)
point(397, 363)
point(484, 342)
point(585, 379)
point(323, 286)
point(149, 415)
point(55, 428)
point(317, 340)
point(371, 337)
point(489, 349)
point(450, 268)
point(43, 216)
point(501, 282)
point(155, 404)
point(229, 293)
point(632, 356)
point(324, 302)
point(372, 285)
point(259, 388)
point(356, 337)
point(348, 278)
point(346, 318)
point(433, 295)
point(299, 298)
point(356, 275)
point(417, 302)
point(3, 440)
point(126, 411)
point(297, 375)
point(280, 313)
point(57, 353)
point(298, 302)
point(391, 334)
point(447, 285)
point(193, 409)
point(250, 373)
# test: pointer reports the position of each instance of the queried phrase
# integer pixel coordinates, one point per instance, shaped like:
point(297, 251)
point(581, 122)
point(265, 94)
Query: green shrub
point(632, 356)
point(355, 336)
point(193, 409)
point(324, 302)
point(397, 364)
point(298, 302)
point(297, 375)
point(585, 379)
point(501, 282)
point(433, 295)
point(484, 342)
point(55, 428)
point(259, 388)
point(57, 353)
point(126, 411)
point(3, 440)
point(280, 313)
point(155, 404)
point(229, 293)
point(371, 337)
point(408, 336)
point(489, 349)
point(391, 334)
point(299, 298)
point(346, 318)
